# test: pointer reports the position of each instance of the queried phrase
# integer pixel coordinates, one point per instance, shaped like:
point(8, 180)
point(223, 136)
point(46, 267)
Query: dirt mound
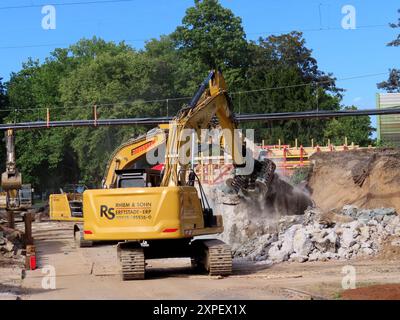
point(365, 178)
point(377, 292)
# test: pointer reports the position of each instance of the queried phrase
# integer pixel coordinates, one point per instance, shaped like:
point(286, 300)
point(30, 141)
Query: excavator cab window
point(138, 178)
point(132, 182)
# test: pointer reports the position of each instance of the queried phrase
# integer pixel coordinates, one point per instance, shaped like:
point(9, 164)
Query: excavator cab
point(25, 196)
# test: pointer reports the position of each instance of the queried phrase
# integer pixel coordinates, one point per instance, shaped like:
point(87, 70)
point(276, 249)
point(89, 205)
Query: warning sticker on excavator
point(143, 148)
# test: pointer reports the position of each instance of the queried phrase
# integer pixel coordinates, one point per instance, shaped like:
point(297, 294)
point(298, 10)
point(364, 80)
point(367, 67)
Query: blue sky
point(345, 53)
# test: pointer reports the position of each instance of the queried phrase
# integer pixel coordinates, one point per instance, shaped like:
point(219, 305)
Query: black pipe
point(316, 114)
point(162, 120)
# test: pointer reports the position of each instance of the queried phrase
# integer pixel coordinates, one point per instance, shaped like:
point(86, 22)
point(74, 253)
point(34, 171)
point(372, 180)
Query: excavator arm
point(11, 180)
point(207, 104)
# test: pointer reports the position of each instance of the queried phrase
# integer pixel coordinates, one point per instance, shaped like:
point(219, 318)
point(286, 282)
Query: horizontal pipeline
point(261, 117)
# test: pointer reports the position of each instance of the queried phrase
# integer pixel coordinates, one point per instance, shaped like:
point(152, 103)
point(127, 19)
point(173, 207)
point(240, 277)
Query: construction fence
point(214, 170)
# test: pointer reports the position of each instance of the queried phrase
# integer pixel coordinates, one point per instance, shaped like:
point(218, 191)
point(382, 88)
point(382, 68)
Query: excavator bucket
point(9, 181)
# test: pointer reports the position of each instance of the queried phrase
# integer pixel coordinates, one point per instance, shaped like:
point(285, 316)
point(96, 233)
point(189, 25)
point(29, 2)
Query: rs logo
point(107, 212)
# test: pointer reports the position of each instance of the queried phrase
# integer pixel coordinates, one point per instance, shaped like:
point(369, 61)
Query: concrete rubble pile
point(11, 243)
point(314, 236)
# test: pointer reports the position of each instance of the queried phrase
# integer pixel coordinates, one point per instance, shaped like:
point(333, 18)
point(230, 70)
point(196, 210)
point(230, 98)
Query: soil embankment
point(367, 179)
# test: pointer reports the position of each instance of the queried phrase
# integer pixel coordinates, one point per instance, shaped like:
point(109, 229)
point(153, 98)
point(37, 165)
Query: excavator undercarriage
point(207, 255)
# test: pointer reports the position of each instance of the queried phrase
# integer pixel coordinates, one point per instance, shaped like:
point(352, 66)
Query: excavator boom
point(11, 180)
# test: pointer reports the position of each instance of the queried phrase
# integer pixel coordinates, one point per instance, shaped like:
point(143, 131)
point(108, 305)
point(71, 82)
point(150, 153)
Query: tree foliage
point(352, 128)
point(3, 97)
point(292, 81)
point(273, 74)
point(211, 36)
point(393, 83)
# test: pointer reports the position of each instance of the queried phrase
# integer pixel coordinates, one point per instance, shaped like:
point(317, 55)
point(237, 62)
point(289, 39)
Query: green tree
point(393, 83)
point(118, 83)
point(42, 156)
point(119, 80)
point(172, 78)
point(3, 97)
point(211, 36)
point(292, 81)
point(356, 129)
point(69, 83)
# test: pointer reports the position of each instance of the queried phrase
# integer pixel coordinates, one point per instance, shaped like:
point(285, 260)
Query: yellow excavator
point(154, 215)
point(67, 205)
point(15, 196)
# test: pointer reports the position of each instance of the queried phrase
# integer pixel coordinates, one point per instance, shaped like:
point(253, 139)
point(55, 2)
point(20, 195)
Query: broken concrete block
point(277, 254)
point(302, 244)
point(315, 256)
point(342, 252)
point(386, 211)
point(298, 258)
point(350, 211)
point(364, 232)
point(287, 238)
point(364, 218)
point(348, 238)
point(355, 248)
point(372, 222)
point(324, 244)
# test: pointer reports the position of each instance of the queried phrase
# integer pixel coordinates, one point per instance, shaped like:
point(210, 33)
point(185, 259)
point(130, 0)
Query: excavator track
point(219, 258)
point(215, 256)
point(132, 263)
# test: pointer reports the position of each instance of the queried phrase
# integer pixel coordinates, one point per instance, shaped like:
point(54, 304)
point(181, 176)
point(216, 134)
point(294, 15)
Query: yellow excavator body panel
point(144, 214)
point(59, 208)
